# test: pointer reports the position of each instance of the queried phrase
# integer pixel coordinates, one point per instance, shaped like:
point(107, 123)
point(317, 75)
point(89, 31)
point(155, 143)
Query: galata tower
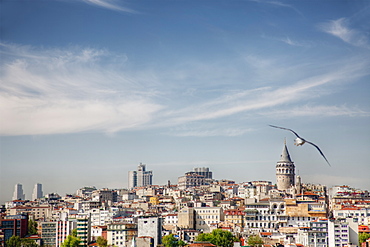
point(285, 171)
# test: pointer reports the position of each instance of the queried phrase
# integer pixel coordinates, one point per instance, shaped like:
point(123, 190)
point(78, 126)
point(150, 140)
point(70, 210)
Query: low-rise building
point(121, 234)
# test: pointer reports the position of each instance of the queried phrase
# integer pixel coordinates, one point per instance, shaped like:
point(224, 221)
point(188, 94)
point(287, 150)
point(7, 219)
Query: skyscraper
point(140, 178)
point(37, 192)
point(18, 193)
point(204, 171)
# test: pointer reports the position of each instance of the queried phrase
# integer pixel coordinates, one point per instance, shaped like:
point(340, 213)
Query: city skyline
point(90, 89)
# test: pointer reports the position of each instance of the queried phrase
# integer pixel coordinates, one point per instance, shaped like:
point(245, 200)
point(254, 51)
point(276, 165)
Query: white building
point(18, 193)
point(266, 215)
point(343, 232)
point(54, 233)
point(205, 216)
point(170, 219)
point(361, 214)
point(37, 192)
point(316, 235)
point(121, 234)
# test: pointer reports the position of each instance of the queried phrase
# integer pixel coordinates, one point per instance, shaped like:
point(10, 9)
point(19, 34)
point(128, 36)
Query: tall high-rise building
point(140, 178)
point(18, 193)
point(204, 171)
point(285, 171)
point(132, 179)
point(37, 192)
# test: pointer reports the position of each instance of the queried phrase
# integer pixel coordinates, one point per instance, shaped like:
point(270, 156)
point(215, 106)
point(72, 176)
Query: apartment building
point(343, 232)
point(54, 233)
point(121, 234)
point(205, 216)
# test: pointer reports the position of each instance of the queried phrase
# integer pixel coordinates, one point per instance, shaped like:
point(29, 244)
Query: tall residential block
point(140, 178)
point(18, 193)
point(203, 171)
point(37, 192)
point(54, 233)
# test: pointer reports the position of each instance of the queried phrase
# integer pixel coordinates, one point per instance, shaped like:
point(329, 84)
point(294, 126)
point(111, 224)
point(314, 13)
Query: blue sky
point(91, 88)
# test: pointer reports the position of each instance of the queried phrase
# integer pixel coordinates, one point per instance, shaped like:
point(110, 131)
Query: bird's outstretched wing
point(286, 129)
point(322, 154)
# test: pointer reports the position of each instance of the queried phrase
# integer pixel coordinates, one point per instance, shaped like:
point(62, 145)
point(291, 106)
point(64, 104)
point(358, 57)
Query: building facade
point(55, 232)
point(18, 193)
point(121, 234)
point(140, 178)
point(14, 225)
point(190, 179)
point(84, 228)
point(37, 192)
point(203, 171)
point(206, 216)
point(150, 227)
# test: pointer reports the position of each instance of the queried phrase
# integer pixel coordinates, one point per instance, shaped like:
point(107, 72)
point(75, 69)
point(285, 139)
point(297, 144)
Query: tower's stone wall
point(285, 171)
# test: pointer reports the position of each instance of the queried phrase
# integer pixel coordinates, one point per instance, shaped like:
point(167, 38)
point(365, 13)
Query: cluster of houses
point(315, 217)
point(288, 213)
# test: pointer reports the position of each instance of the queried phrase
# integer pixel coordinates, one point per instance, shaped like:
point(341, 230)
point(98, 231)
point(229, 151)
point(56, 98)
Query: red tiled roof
point(350, 208)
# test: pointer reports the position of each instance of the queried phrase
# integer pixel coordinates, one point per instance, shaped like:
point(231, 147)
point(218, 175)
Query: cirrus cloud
point(53, 91)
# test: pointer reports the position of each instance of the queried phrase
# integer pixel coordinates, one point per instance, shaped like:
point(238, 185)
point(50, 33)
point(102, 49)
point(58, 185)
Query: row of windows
point(202, 222)
point(319, 240)
point(207, 217)
point(207, 211)
point(353, 214)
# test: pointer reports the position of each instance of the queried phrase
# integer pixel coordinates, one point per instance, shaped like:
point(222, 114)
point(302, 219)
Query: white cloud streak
point(53, 92)
point(73, 90)
point(340, 28)
point(317, 110)
point(278, 4)
point(109, 4)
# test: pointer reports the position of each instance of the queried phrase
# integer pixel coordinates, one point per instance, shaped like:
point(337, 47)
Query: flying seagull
point(299, 141)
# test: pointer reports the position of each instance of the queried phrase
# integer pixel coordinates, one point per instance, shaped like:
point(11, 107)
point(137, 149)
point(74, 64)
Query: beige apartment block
point(205, 216)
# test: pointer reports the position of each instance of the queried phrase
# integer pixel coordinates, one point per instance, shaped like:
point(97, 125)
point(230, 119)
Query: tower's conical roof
point(285, 157)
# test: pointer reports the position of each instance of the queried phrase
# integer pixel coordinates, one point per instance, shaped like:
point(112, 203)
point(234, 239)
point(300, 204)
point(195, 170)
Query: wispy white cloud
point(55, 91)
point(110, 4)
point(291, 42)
point(278, 4)
point(48, 92)
point(341, 29)
point(203, 130)
point(320, 111)
point(252, 100)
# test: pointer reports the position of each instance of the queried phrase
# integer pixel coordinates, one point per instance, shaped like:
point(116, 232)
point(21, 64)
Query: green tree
point(102, 242)
point(204, 237)
point(362, 237)
point(32, 227)
point(28, 242)
point(181, 243)
point(170, 241)
point(255, 241)
point(218, 237)
point(71, 241)
point(14, 241)
point(74, 232)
